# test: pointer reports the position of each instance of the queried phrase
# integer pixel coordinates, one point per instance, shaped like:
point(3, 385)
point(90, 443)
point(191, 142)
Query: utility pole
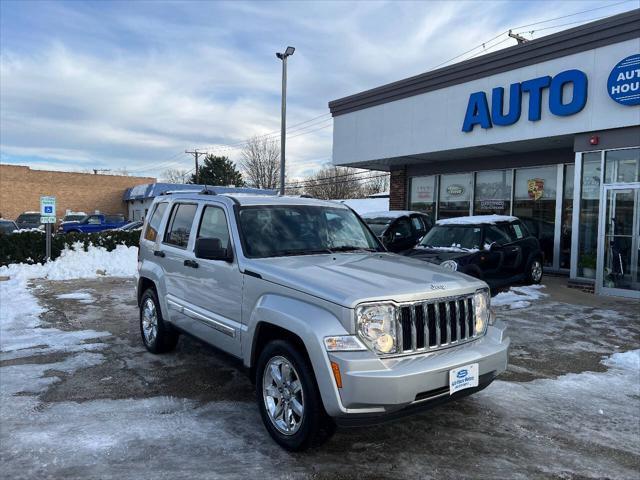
point(283, 122)
point(519, 38)
point(196, 154)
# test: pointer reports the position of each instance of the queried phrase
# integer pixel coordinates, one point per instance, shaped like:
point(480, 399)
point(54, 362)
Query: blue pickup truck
point(93, 223)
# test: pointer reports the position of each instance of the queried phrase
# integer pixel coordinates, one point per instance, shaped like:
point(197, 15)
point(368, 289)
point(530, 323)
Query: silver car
point(334, 329)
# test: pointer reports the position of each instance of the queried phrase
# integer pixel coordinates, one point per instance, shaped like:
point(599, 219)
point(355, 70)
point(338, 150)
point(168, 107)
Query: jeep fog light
point(377, 326)
point(481, 306)
point(343, 343)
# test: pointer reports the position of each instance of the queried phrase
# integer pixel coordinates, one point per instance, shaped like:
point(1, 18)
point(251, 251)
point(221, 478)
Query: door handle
point(159, 253)
point(191, 263)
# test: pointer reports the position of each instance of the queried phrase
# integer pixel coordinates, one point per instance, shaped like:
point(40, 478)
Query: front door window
point(620, 265)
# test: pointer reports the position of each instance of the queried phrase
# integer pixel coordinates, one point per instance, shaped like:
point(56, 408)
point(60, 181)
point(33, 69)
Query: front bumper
point(372, 386)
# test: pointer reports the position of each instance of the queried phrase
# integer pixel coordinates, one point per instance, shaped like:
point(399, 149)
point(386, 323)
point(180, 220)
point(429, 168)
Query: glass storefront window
point(492, 193)
point(423, 195)
point(455, 195)
point(535, 204)
point(567, 216)
point(622, 166)
point(589, 205)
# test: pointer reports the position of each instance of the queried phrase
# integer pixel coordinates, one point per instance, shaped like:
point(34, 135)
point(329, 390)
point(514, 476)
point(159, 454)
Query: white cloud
point(133, 85)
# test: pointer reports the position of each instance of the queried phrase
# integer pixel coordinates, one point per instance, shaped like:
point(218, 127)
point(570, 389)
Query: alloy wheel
point(536, 271)
point(149, 321)
point(283, 395)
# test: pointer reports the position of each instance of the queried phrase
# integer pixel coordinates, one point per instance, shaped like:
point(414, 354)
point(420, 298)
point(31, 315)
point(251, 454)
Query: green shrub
point(29, 247)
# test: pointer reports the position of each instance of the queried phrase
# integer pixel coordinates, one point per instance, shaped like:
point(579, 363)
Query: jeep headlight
point(481, 301)
point(377, 326)
point(450, 265)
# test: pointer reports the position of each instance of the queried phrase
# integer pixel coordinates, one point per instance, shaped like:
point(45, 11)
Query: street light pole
point(283, 121)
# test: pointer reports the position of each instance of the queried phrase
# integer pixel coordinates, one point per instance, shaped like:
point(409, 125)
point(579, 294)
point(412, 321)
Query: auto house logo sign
point(455, 190)
point(624, 81)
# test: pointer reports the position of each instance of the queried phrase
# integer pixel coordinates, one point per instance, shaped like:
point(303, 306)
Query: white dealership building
point(547, 130)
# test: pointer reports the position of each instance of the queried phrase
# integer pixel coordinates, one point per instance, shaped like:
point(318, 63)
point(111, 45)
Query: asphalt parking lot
point(88, 401)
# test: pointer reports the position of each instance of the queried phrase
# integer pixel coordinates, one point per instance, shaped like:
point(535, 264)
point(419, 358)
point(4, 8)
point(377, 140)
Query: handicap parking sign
point(47, 209)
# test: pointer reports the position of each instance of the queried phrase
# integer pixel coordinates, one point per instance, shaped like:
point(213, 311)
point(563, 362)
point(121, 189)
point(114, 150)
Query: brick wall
point(398, 189)
point(21, 188)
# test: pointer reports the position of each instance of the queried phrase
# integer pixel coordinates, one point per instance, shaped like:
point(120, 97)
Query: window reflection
point(535, 204)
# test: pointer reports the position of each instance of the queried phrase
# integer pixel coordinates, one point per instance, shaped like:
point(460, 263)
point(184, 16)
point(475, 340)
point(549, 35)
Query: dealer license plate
point(463, 377)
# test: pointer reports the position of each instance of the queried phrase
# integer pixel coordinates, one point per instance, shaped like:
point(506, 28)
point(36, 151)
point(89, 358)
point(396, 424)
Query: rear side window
point(180, 224)
point(154, 222)
point(94, 220)
point(214, 225)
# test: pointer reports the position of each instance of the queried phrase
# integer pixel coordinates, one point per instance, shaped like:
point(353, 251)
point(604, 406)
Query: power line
point(240, 145)
point(322, 183)
point(572, 14)
point(482, 45)
point(335, 176)
point(565, 24)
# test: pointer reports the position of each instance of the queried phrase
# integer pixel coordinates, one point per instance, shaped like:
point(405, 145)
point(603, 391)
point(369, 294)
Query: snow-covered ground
point(81, 398)
point(76, 263)
point(518, 297)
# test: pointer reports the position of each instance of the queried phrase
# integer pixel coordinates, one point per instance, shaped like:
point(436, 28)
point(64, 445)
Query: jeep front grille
point(432, 325)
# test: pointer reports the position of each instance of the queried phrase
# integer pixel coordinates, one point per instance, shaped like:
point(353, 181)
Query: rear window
point(29, 217)
point(114, 218)
point(154, 222)
point(180, 224)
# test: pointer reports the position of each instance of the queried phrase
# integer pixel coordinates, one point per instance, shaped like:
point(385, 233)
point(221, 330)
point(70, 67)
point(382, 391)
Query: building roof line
point(610, 30)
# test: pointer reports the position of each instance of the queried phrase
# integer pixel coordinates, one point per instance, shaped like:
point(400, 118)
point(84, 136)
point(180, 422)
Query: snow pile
point(96, 261)
point(595, 407)
point(518, 297)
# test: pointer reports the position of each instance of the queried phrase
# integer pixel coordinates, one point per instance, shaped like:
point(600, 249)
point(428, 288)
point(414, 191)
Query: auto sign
point(623, 84)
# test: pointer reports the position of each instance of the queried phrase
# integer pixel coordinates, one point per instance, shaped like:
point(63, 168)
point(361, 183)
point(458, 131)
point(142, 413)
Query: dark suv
point(398, 230)
point(497, 249)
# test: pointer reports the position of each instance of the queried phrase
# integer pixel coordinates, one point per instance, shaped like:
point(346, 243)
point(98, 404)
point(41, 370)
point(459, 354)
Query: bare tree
point(172, 175)
point(260, 162)
point(378, 183)
point(333, 183)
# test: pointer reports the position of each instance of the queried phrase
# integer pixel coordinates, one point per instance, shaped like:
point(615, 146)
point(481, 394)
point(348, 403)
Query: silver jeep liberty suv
point(334, 329)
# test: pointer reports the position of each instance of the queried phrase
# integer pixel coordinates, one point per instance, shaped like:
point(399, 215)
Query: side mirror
point(211, 249)
point(494, 247)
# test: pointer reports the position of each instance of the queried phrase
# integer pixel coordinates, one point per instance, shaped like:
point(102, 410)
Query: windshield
point(453, 237)
point(378, 225)
point(73, 218)
point(275, 231)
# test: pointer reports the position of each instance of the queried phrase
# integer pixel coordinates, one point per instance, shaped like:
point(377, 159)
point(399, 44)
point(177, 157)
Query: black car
point(7, 226)
point(497, 249)
point(28, 220)
point(398, 230)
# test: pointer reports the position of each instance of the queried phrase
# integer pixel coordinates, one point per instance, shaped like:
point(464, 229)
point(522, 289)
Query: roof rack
point(202, 191)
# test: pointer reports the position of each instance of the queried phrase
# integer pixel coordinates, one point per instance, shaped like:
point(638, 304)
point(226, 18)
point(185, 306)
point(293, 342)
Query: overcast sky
point(133, 84)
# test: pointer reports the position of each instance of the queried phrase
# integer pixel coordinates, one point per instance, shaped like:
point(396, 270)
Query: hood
point(351, 278)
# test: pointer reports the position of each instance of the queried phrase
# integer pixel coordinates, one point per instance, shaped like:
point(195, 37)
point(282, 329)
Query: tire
point(292, 431)
point(534, 271)
point(157, 336)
